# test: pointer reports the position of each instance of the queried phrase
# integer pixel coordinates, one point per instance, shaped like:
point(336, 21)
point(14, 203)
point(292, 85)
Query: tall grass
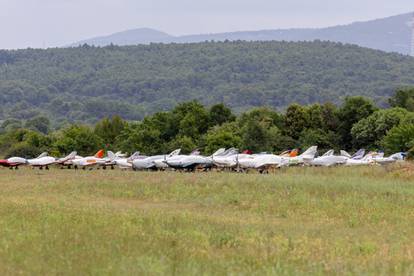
point(297, 221)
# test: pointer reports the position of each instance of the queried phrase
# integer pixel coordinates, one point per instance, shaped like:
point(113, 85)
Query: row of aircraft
point(221, 159)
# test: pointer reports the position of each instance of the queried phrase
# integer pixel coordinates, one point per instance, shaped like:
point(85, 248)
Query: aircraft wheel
point(47, 168)
point(112, 168)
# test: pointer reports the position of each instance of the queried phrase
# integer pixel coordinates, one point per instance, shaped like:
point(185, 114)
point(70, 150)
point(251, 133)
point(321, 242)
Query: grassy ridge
point(300, 220)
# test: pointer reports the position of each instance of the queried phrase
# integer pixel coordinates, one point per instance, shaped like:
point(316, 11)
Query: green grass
point(296, 221)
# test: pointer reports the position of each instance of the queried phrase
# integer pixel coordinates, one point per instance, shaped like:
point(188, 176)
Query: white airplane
point(263, 162)
point(329, 159)
point(303, 159)
point(229, 158)
point(381, 160)
point(89, 161)
point(44, 161)
point(121, 161)
point(357, 156)
point(360, 161)
point(192, 161)
point(153, 162)
point(13, 162)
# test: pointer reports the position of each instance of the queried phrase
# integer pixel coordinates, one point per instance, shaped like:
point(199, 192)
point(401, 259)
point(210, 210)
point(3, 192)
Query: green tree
point(330, 117)
point(192, 119)
point(108, 129)
point(24, 143)
point(315, 117)
point(318, 137)
point(399, 138)
point(185, 143)
point(352, 111)
point(296, 120)
point(78, 138)
point(220, 114)
point(142, 137)
point(369, 132)
point(224, 136)
point(404, 98)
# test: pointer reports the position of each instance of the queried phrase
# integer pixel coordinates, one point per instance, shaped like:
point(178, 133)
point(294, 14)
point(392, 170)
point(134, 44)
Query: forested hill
point(88, 83)
point(391, 34)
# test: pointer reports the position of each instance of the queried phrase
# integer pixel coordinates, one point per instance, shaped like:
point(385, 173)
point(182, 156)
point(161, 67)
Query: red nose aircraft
point(13, 163)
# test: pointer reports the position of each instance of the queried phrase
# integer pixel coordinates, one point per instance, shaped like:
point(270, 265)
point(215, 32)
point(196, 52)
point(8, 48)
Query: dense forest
point(357, 123)
point(86, 84)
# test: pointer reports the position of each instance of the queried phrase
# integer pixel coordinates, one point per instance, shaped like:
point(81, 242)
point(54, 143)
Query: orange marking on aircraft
point(294, 153)
point(100, 154)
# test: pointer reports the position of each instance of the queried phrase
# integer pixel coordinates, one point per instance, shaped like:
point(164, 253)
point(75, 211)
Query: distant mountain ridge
point(391, 34)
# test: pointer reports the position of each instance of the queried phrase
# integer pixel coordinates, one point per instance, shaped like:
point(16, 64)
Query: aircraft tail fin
point(112, 156)
point(345, 154)
point(100, 154)
point(195, 152)
point(219, 152)
point(44, 154)
point(71, 156)
point(120, 154)
point(134, 156)
point(174, 153)
point(311, 152)
point(329, 153)
point(231, 151)
point(359, 154)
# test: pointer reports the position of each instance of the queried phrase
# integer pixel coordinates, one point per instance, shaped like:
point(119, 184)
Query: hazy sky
point(48, 23)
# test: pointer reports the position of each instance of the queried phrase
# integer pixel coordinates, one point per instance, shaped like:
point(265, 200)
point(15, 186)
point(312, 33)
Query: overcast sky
point(49, 23)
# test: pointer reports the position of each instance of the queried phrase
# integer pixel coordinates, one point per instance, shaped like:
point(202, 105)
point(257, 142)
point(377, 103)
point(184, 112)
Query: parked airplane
point(153, 162)
point(380, 159)
point(89, 161)
point(44, 161)
point(359, 161)
point(329, 159)
point(121, 161)
point(303, 159)
point(229, 159)
point(13, 162)
point(261, 162)
point(192, 161)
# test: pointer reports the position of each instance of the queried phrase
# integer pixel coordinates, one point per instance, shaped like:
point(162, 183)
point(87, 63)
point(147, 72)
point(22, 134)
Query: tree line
point(357, 123)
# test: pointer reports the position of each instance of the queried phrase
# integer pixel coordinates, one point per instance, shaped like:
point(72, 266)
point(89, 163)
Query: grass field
point(297, 221)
